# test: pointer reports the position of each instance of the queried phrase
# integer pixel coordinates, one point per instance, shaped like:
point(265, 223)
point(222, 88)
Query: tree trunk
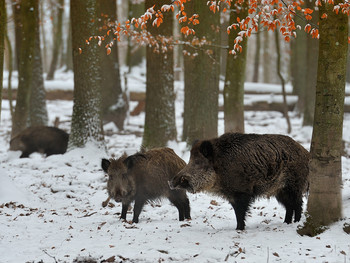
point(57, 39)
point(86, 117)
point(299, 66)
point(2, 44)
point(311, 71)
point(266, 56)
point(69, 51)
point(16, 10)
point(25, 66)
point(235, 77)
point(257, 56)
point(37, 112)
point(160, 125)
point(285, 105)
point(10, 69)
point(325, 201)
point(43, 36)
point(115, 106)
point(202, 68)
point(135, 53)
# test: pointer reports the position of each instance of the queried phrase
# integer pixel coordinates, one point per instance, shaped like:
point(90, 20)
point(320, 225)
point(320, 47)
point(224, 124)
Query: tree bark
point(160, 125)
point(202, 68)
point(2, 44)
point(235, 77)
point(257, 56)
point(57, 38)
point(25, 66)
point(266, 56)
point(86, 117)
point(115, 106)
point(325, 201)
point(311, 71)
point(278, 64)
point(37, 111)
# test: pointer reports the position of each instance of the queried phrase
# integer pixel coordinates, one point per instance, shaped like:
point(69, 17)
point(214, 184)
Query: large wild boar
point(42, 139)
point(242, 167)
point(144, 177)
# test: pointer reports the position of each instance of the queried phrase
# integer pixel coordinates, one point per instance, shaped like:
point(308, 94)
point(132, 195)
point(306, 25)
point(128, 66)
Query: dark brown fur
point(241, 167)
point(142, 177)
point(43, 139)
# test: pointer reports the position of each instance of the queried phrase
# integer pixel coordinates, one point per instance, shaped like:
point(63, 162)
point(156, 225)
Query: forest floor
point(50, 208)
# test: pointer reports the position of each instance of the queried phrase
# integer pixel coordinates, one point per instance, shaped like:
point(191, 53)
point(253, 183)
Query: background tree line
point(319, 82)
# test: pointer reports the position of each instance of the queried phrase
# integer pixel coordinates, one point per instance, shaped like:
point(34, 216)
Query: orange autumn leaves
point(270, 14)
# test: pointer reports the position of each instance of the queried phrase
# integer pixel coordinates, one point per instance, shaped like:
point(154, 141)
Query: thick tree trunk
point(25, 66)
point(57, 39)
point(114, 106)
point(235, 78)
point(202, 68)
point(86, 117)
point(160, 125)
point(325, 201)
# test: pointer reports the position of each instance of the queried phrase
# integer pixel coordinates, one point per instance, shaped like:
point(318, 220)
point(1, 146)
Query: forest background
point(42, 36)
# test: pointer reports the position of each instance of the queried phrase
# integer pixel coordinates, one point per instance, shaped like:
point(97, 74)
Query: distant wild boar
point(242, 167)
point(42, 139)
point(143, 177)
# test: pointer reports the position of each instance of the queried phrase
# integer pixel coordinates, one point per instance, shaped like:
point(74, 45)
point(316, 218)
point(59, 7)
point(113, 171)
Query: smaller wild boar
point(42, 139)
point(242, 167)
point(143, 177)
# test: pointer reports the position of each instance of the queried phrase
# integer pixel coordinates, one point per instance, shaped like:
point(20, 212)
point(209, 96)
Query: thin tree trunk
point(2, 44)
point(266, 56)
point(285, 105)
point(160, 125)
point(69, 52)
point(257, 56)
point(311, 71)
point(235, 77)
point(57, 39)
point(325, 201)
point(115, 106)
point(43, 36)
point(10, 69)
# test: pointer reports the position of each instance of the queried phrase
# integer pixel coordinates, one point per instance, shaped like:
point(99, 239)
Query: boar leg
point(181, 202)
point(125, 207)
point(293, 204)
point(139, 203)
point(105, 203)
point(241, 204)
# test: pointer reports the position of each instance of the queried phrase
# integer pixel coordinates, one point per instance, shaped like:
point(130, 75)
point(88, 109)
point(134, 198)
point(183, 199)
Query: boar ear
point(105, 164)
point(132, 159)
point(206, 148)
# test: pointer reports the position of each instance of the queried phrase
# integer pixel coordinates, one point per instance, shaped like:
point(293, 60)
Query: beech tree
point(202, 68)
point(235, 76)
point(57, 37)
point(30, 103)
point(86, 118)
point(160, 125)
point(114, 106)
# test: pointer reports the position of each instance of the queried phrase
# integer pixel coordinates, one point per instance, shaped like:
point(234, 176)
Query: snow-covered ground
point(50, 208)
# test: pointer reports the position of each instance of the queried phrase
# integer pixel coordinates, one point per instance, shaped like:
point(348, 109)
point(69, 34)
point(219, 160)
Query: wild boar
point(242, 167)
point(42, 139)
point(143, 177)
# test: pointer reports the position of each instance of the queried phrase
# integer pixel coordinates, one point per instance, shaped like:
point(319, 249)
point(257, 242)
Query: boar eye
point(182, 179)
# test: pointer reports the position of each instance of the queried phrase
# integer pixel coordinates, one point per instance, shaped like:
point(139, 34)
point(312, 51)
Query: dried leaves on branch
point(271, 14)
